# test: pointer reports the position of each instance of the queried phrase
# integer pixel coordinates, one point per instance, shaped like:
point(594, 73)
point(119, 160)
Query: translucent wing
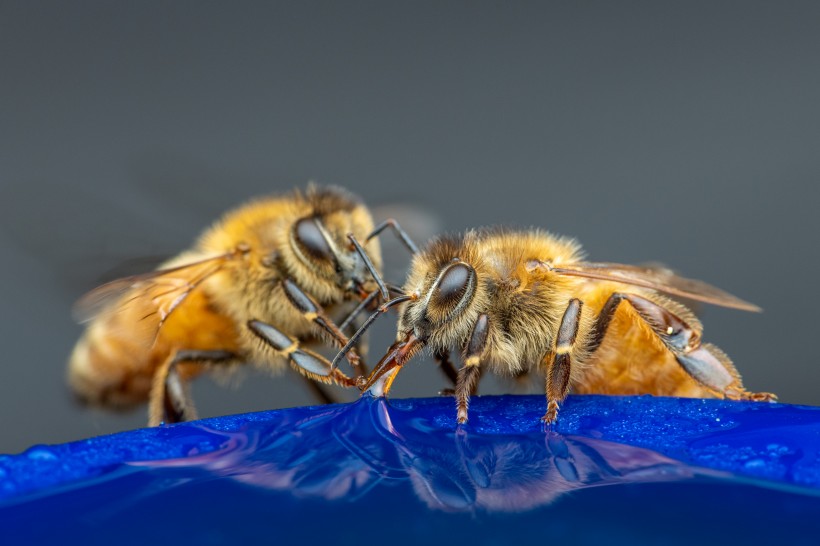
point(158, 292)
point(656, 278)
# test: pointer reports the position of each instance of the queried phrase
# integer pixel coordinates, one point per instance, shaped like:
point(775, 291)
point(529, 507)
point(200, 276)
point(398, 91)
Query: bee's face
point(443, 301)
point(321, 245)
point(445, 297)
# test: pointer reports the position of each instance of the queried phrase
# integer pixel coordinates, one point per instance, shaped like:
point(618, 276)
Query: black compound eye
point(310, 238)
point(454, 284)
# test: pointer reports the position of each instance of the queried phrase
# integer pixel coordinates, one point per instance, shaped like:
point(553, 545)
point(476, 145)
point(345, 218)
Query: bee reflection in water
point(345, 452)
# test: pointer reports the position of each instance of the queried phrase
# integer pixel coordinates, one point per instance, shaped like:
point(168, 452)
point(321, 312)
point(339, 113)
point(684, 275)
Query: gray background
point(683, 133)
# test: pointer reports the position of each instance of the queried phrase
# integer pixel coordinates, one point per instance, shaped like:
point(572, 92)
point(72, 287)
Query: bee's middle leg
point(170, 401)
point(559, 361)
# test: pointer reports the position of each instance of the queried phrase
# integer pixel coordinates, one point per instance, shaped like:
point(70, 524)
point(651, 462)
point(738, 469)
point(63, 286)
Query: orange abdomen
point(114, 362)
point(632, 360)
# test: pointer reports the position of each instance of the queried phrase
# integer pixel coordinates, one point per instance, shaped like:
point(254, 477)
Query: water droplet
point(755, 464)
point(41, 453)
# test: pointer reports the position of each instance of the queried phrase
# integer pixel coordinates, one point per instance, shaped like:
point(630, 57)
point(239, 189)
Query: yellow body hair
point(521, 301)
point(202, 299)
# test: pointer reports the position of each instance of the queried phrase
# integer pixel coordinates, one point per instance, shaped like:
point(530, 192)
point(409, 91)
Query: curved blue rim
point(775, 442)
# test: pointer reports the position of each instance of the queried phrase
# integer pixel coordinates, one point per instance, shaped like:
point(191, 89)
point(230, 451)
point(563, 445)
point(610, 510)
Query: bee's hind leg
point(705, 363)
point(170, 400)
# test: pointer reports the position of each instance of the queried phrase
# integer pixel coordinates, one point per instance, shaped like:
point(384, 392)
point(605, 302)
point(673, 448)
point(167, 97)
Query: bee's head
point(448, 292)
point(322, 251)
point(442, 300)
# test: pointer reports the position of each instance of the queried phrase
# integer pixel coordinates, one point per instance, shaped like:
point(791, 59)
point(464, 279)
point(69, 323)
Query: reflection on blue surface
point(674, 470)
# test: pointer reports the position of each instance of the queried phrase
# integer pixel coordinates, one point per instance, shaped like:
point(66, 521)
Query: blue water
point(614, 470)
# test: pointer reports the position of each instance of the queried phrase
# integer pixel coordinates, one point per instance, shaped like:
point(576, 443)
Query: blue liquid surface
point(614, 470)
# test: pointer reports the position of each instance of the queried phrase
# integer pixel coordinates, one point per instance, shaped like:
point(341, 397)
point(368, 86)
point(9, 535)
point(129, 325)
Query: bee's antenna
point(365, 303)
point(370, 320)
point(402, 235)
point(396, 290)
point(358, 309)
point(370, 267)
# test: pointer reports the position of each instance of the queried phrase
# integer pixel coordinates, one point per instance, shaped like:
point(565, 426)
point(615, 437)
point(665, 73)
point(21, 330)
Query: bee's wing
point(158, 292)
point(657, 278)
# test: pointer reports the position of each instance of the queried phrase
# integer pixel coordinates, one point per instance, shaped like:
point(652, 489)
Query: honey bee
point(256, 287)
point(517, 301)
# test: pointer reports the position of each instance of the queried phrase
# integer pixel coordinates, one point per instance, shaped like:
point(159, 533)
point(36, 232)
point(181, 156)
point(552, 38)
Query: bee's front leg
point(306, 362)
point(313, 311)
point(470, 373)
point(169, 401)
point(442, 357)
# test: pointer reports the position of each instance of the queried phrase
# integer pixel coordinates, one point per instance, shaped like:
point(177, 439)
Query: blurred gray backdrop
point(685, 133)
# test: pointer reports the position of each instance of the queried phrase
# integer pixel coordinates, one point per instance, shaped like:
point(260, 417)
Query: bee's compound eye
point(310, 238)
point(454, 284)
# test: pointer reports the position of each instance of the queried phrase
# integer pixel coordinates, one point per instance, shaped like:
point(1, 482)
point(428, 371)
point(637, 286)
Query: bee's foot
point(462, 416)
point(552, 413)
point(739, 393)
point(762, 397)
